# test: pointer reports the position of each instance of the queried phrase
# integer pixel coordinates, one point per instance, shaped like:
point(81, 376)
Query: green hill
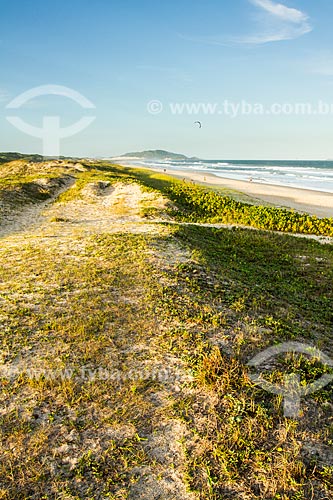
point(157, 154)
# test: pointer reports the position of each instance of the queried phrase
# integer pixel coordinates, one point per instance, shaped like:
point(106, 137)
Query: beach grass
point(129, 354)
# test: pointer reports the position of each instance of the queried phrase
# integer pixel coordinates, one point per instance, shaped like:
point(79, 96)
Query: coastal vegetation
point(127, 325)
point(200, 205)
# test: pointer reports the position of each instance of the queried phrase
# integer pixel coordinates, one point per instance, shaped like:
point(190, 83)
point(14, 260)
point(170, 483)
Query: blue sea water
point(314, 175)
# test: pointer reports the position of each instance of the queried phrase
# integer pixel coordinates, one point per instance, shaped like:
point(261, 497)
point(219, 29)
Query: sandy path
point(107, 209)
point(100, 209)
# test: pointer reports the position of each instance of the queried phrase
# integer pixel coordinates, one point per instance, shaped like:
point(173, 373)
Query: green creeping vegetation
point(200, 205)
point(239, 293)
point(285, 282)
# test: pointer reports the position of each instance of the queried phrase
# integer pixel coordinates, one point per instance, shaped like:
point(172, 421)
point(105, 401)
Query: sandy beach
point(304, 200)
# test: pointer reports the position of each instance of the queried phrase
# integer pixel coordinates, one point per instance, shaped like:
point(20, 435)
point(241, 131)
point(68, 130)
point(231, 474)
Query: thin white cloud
point(281, 11)
point(275, 22)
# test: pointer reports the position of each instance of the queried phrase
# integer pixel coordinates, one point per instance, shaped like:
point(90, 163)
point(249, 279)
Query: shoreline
point(303, 200)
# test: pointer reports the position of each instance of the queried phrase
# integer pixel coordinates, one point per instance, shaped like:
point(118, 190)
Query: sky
point(136, 60)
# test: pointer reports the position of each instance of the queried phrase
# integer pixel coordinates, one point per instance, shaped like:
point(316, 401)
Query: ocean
point(314, 175)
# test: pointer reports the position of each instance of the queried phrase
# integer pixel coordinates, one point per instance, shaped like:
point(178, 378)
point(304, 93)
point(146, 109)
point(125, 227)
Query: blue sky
point(123, 54)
